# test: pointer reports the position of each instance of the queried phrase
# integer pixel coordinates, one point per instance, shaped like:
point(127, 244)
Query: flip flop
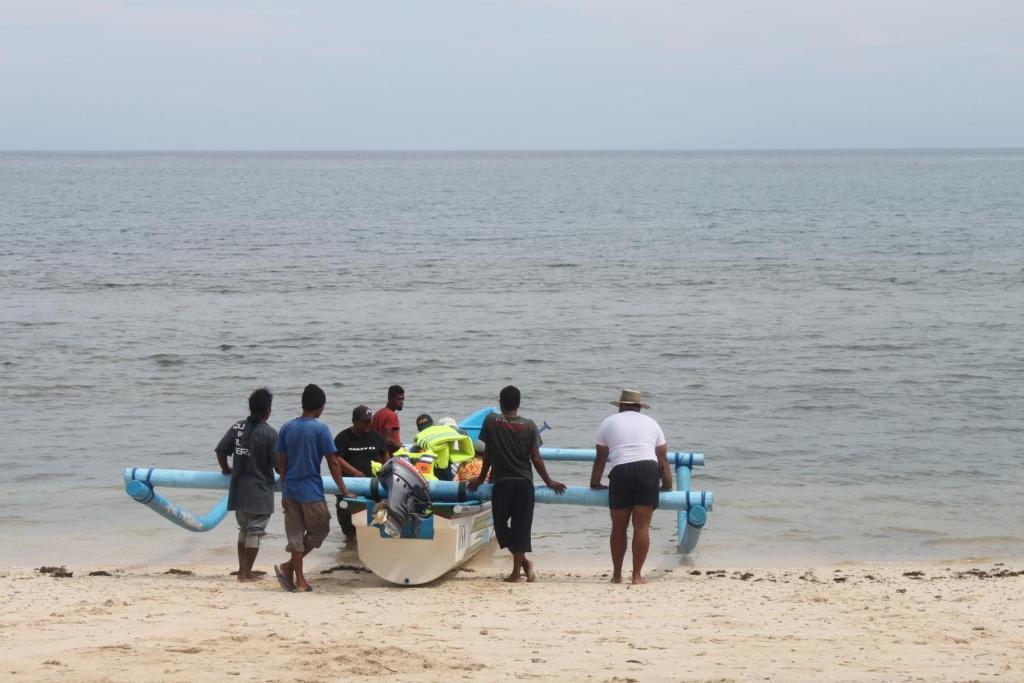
point(285, 582)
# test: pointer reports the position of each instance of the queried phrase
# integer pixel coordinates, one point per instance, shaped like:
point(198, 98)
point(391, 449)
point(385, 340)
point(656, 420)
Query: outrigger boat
point(412, 531)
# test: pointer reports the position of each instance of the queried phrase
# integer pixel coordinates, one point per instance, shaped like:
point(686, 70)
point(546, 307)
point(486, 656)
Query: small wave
point(769, 518)
point(17, 519)
point(810, 407)
point(904, 530)
point(871, 347)
point(167, 359)
point(972, 541)
point(116, 285)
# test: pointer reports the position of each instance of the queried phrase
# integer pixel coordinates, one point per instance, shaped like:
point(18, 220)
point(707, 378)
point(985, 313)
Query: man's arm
point(282, 469)
point(598, 470)
point(225, 447)
point(485, 467)
point(334, 465)
point(538, 464)
point(666, 471)
point(222, 460)
point(393, 444)
point(346, 467)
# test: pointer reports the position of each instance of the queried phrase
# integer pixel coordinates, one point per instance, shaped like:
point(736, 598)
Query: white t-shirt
point(630, 437)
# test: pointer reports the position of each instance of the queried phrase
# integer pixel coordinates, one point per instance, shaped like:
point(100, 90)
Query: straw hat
point(630, 397)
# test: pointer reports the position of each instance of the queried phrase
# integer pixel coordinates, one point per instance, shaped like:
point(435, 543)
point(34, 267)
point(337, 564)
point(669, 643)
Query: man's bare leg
point(531, 575)
point(641, 539)
point(518, 559)
point(293, 570)
point(242, 573)
point(245, 568)
point(620, 521)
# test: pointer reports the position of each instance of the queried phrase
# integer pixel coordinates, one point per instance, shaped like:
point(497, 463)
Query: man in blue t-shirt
point(302, 444)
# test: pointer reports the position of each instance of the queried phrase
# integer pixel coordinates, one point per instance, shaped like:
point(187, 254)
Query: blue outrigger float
point(459, 525)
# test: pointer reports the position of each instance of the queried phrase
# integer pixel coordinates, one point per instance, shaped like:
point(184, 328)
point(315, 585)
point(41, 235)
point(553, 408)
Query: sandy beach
point(858, 622)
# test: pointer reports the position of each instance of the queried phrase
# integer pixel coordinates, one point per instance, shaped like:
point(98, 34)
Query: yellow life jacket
point(423, 461)
point(448, 445)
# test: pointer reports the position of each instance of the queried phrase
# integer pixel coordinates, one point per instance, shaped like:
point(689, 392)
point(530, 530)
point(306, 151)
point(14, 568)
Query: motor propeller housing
point(408, 495)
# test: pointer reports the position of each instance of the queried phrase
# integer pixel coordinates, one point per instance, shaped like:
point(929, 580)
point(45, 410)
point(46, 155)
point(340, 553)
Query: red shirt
point(385, 418)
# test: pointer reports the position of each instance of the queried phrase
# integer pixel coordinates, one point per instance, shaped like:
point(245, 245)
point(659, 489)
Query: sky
point(513, 75)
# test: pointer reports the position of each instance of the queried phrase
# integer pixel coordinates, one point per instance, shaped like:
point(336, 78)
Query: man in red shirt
point(385, 420)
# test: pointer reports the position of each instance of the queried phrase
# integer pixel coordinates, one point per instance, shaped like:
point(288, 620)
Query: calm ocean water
point(840, 333)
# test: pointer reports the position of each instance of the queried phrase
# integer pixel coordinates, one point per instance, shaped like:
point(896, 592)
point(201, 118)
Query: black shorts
point(512, 510)
point(634, 483)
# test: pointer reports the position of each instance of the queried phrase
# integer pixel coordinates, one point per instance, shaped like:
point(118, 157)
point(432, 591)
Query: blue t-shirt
point(305, 440)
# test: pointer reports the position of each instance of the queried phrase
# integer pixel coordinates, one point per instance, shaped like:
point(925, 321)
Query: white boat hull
point(416, 561)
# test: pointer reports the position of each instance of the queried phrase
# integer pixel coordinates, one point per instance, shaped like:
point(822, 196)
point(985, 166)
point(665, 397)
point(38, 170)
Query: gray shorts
point(251, 528)
point(305, 524)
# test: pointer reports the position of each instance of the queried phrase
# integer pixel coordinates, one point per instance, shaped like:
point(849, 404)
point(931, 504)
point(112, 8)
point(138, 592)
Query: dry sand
point(945, 622)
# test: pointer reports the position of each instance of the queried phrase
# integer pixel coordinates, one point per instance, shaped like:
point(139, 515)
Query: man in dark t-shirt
point(358, 447)
point(511, 452)
point(250, 443)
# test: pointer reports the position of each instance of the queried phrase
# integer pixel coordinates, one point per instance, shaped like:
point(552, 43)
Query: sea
point(840, 333)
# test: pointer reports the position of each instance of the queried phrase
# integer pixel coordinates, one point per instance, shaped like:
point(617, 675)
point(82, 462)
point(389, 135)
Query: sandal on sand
point(285, 582)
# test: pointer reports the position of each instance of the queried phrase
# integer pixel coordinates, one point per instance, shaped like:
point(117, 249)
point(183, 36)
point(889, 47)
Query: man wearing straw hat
point(634, 445)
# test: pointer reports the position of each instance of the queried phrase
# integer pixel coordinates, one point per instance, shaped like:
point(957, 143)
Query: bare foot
point(289, 572)
point(513, 578)
point(637, 580)
point(249, 579)
point(531, 576)
point(282, 578)
point(617, 578)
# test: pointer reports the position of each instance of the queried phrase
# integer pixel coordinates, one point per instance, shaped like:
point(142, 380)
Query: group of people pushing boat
point(506, 454)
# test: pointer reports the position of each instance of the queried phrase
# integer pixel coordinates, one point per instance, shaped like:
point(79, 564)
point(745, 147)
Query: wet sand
point(862, 622)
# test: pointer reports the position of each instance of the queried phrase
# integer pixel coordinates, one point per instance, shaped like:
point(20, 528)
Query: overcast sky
point(482, 74)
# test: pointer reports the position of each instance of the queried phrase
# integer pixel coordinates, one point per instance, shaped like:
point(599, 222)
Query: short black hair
point(259, 402)
point(395, 390)
point(509, 398)
point(313, 397)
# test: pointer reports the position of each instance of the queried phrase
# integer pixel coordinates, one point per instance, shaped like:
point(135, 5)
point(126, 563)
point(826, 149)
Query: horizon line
point(623, 150)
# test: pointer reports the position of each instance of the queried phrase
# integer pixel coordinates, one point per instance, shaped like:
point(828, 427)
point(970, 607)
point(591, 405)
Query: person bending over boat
point(385, 421)
point(250, 444)
point(301, 446)
point(511, 446)
point(445, 445)
point(358, 448)
point(635, 447)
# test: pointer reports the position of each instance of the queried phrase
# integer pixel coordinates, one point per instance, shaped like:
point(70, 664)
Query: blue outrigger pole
point(692, 506)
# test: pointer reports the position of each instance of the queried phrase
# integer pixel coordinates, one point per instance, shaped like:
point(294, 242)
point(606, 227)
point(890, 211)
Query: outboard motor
point(408, 496)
